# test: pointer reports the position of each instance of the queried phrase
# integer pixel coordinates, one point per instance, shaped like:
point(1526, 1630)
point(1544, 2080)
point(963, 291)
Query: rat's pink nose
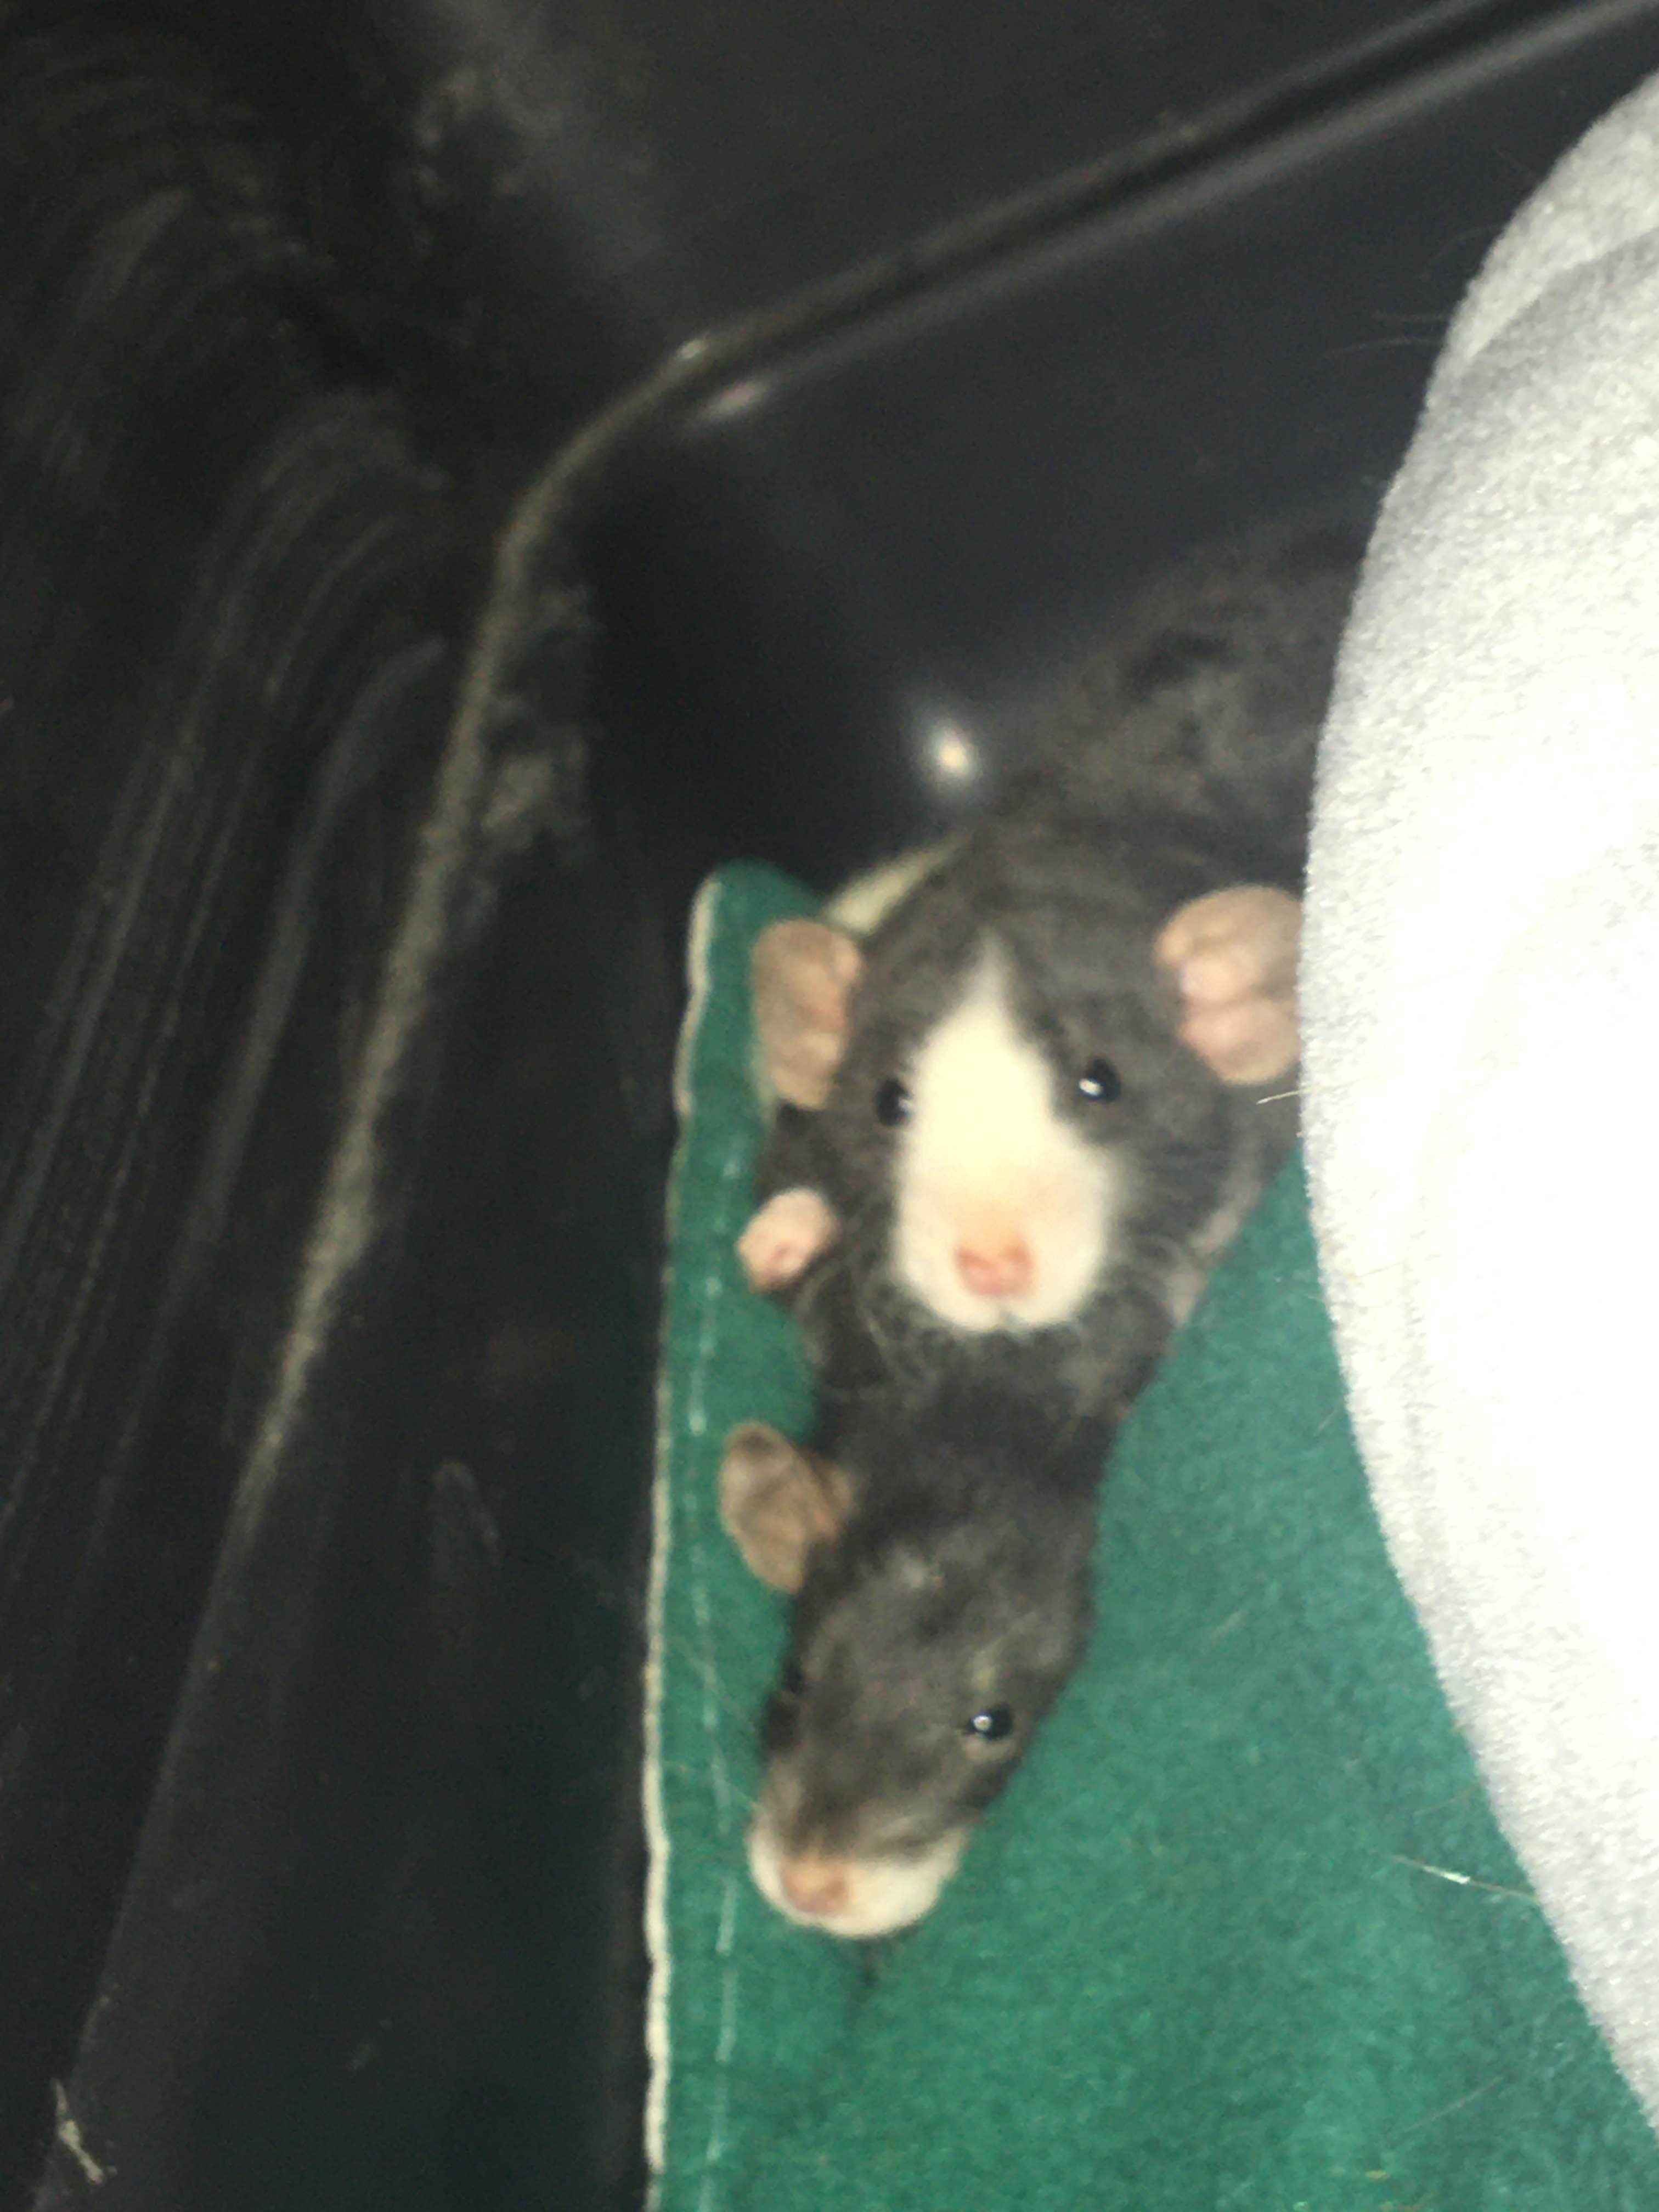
point(999, 1270)
point(814, 1884)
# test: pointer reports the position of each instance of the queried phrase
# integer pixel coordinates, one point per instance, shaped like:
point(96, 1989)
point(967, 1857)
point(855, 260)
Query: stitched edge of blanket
point(658, 2055)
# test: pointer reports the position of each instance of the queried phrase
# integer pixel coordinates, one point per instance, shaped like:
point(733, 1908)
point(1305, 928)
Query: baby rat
point(1021, 1117)
point(939, 1570)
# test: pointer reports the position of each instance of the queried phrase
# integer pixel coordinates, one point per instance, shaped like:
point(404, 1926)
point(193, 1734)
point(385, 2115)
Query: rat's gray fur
point(960, 1581)
point(958, 1584)
point(1182, 764)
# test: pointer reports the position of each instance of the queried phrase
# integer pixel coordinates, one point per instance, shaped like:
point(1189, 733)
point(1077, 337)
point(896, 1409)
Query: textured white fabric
point(1481, 1009)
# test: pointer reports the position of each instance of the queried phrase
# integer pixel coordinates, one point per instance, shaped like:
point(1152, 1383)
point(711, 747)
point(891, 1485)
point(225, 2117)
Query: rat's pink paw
point(784, 1237)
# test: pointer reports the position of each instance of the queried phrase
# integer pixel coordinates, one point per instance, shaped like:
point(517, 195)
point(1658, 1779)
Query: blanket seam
point(658, 2037)
point(678, 1514)
point(720, 1778)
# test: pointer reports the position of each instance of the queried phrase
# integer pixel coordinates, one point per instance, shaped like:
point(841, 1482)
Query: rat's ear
point(804, 974)
point(1232, 955)
point(778, 1501)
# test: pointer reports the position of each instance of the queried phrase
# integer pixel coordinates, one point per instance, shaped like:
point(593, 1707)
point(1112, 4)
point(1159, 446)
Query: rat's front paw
point(784, 1237)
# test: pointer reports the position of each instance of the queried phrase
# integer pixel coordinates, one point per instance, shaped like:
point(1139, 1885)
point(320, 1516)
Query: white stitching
point(696, 1510)
point(728, 2036)
point(668, 1484)
point(685, 1518)
point(697, 1506)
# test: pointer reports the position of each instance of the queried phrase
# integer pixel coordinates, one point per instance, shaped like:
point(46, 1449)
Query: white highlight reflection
point(951, 751)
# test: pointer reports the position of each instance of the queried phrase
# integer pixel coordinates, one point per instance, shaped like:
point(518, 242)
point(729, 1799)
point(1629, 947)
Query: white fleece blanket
point(1480, 1001)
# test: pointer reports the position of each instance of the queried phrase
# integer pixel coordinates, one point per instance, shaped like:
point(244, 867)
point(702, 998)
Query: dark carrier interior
point(466, 471)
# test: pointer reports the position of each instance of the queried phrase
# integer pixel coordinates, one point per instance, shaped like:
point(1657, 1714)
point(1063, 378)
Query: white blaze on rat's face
point(1004, 1213)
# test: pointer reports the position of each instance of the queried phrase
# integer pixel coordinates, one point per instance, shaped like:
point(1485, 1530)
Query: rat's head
point(1015, 1099)
point(982, 1165)
point(921, 1660)
point(934, 1622)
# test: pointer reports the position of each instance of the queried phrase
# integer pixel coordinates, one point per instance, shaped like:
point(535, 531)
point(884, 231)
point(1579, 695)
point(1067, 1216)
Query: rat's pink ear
point(778, 1501)
point(1232, 955)
point(804, 974)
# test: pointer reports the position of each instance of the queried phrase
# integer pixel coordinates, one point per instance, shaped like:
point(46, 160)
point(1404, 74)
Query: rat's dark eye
point(892, 1103)
point(1099, 1083)
point(792, 1683)
point(991, 1726)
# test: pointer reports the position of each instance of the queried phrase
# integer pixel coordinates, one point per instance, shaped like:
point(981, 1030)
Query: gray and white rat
point(1023, 1110)
point(940, 1568)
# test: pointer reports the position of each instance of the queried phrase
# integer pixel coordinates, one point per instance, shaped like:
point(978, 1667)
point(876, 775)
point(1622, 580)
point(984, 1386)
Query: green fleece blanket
point(1242, 1933)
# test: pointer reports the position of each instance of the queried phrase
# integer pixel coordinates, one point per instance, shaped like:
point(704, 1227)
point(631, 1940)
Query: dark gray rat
point(1022, 1112)
point(940, 1568)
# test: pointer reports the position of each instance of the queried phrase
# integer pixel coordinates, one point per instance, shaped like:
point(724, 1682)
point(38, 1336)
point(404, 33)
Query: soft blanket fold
point(1482, 1052)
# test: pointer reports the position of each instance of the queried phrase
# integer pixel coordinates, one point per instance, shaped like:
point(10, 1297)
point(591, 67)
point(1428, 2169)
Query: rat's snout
point(1023, 1255)
point(1003, 1211)
point(818, 1888)
point(995, 1267)
point(853, 1891)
